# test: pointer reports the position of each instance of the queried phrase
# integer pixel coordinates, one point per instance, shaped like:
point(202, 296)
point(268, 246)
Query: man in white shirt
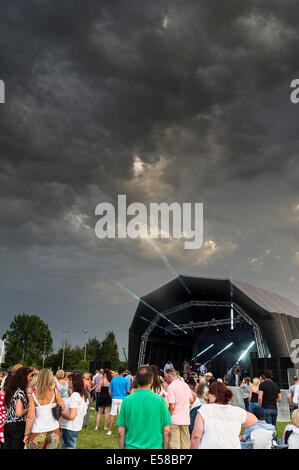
point(168, 365)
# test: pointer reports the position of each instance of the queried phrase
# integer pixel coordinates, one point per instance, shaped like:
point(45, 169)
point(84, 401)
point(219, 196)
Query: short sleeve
point(111, 385)
point(20, 395)
point(74, 400)
point(202, 411)
point(128, 384)
point(171, 395)
point(261, 387)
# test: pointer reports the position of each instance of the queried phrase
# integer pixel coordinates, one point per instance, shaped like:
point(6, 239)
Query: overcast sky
point(161, 101)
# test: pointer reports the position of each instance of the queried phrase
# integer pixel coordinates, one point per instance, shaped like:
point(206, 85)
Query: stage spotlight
point(222, 350)
point(246, 351)
point(199, 354)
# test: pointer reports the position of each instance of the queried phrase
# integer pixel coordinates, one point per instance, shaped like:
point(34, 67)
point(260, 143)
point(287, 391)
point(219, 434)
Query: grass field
point(91, 439)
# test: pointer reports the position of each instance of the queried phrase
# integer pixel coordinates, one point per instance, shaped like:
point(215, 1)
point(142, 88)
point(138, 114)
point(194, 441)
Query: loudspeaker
point(278, 366)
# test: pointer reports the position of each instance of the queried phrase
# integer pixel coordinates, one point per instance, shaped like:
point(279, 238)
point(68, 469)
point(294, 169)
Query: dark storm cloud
point(198, 90)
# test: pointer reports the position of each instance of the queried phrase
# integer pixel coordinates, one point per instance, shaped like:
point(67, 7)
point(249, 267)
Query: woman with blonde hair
point(253, 394)
point(245, 389)
point(89, 388)
point(291, 432)
point(42, 428)
point(201, 392)
point(62, 384)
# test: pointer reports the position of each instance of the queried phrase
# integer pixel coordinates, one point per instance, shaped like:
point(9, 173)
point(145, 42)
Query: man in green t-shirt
point(144, 419)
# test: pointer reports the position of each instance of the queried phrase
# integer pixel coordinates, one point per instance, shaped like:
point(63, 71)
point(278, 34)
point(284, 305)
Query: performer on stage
point(236, 373)
point(168, 365)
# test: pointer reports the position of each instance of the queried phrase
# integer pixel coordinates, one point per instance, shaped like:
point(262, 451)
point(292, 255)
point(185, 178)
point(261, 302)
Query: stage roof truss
point(213, 322)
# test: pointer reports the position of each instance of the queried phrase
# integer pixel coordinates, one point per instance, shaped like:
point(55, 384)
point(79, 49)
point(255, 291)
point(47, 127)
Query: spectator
point(186, 368)
point(253, 394)
point(96, 380)
point(294, 388)
point(268, 396)
point(62, 384)
point(42, 429)
point(88, 386)
point(157, 387)
point(104, 399)
point(245, 388)
point(180, 396)
point(261, 424)
point(118, 389)
point(218, 424)
point(201, 391)
point(191, 382)
point(11, 372)
point(2, 418)
point(16, 403)
point(74, 412)
point(129, 377)
point(292, 429)
point(144, 406)
point(209, 378)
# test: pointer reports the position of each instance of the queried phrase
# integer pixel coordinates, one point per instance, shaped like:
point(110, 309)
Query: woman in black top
point(16, 403)
point(104, 402)
point(253, 394)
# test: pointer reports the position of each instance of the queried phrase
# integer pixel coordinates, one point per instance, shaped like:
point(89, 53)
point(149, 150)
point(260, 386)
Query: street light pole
point(85, 332)
point(44, 357)
point(23, 354)
point(2, 349)
point(65, 333)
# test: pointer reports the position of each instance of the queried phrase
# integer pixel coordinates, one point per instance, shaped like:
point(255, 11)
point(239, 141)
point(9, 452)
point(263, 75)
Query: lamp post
point(2, 348)
point(85, 332)
point(65, 333)
point(44, 356)
point(23, 354)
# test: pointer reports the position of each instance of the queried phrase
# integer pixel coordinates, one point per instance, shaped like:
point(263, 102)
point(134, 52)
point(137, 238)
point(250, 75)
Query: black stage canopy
point(202, 308)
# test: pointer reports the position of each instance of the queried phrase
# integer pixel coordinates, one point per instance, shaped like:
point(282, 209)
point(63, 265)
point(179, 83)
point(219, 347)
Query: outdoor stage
point(188, 315)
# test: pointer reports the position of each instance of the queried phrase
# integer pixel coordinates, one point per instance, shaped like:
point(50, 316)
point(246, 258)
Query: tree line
point(29, 341)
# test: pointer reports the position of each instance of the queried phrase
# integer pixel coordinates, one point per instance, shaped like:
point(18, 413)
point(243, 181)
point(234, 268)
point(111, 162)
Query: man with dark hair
point(144, 419)
point(118, 389)
point(268, 396)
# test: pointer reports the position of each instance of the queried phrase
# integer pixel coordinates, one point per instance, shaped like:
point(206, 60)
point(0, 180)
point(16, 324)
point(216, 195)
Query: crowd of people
point(155, 409)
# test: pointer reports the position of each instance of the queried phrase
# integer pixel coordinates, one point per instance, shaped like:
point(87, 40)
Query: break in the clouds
point(162, 101)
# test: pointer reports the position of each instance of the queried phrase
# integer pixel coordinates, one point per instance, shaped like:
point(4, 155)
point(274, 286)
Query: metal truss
point(205, 324)
point(256, 330)
point(192, 325)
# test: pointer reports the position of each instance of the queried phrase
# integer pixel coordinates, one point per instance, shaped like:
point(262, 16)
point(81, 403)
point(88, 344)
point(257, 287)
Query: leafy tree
point(109, 350)
point(82, 366)
point(93, 349)
point(26, 340)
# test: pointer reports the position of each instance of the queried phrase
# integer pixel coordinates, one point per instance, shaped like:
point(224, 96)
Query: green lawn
point(91, 439)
